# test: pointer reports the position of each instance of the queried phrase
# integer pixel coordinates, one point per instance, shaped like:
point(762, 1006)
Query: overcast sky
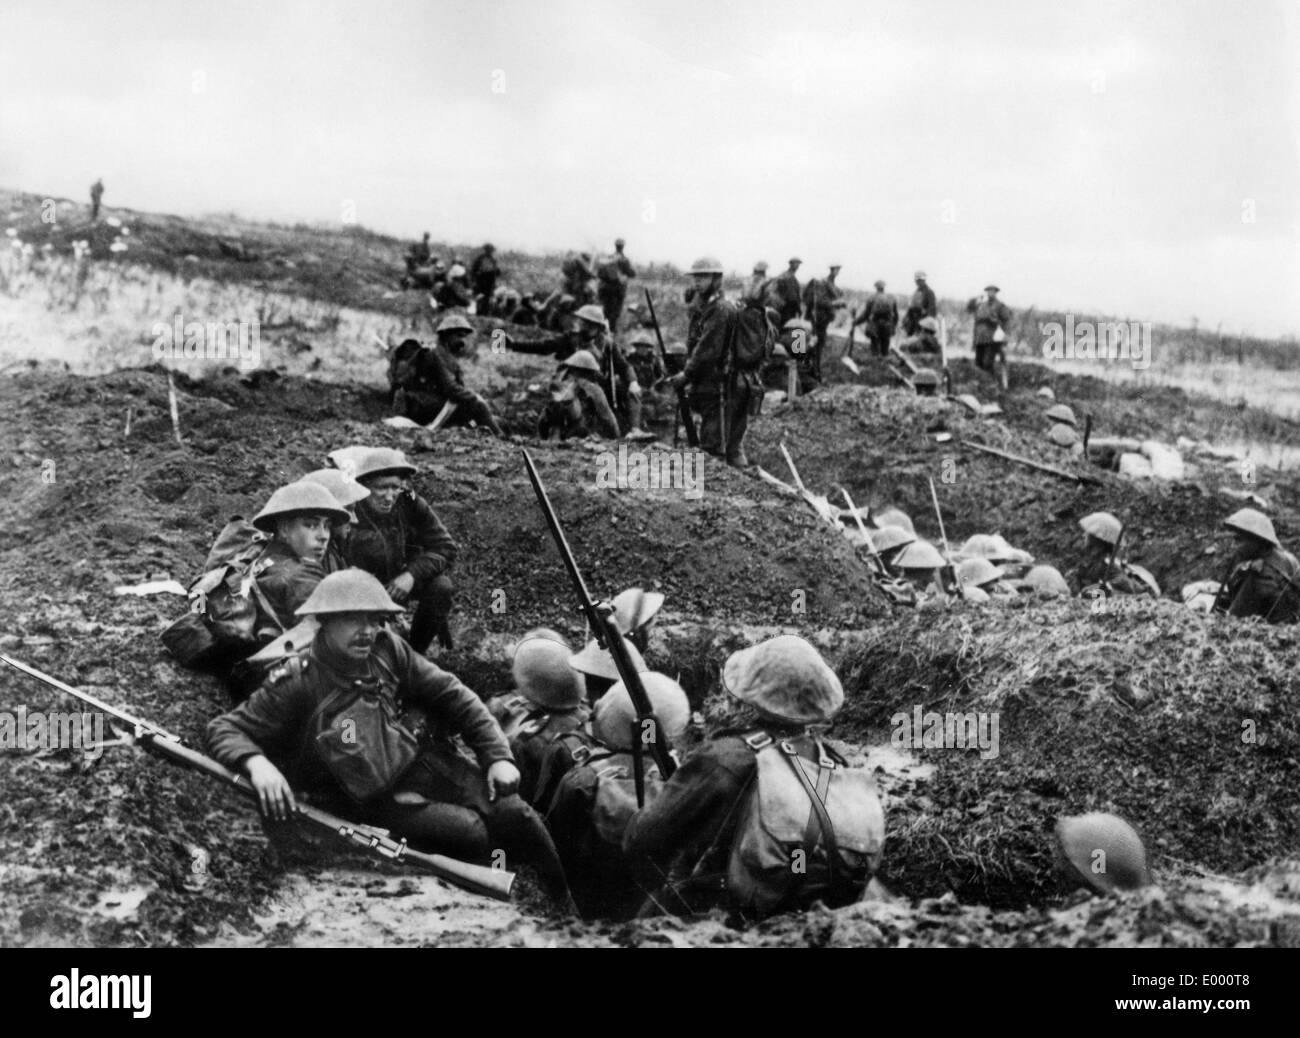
point(1142, 159)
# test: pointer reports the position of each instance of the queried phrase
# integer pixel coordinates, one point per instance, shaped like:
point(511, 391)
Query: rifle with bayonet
point(600, 617)
point(480, 879)
point(895, 588)
point(1051, 470)
point(683, 408)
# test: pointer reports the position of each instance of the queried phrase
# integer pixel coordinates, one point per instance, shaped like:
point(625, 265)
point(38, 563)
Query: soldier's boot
point(737, 426)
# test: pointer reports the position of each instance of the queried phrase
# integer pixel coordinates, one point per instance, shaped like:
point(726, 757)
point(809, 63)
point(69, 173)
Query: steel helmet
point(457, 271)
point(893, 517)
point(929, 324)
point(1061, 413)
point(797, 324)
point(1254, 523)
point(706, 265)
point(835, 266)
point(888, 538)
point(642, 338)
point(599, 663)
point(543, 676)
point(880, 285)
point(926, 381)
point(1102, 525)
point(1104, 851)
point(545, 632)
point(619, 243)
point(1003, 552)
point(760, 267)
point(992, 288)
point(384, 461)
point(582, 360)
point(979, 546)
point(978, 572)
point(919, 555)
point(594, 314)
point(346, 490)
point(300, 498)
point(794, 260)
point(635, 608)
point(919, 276)
point(785, 678)
point(1063, 435)
point(676, 349)
point(454, 322)
point(614, 715)
point(348, 591)
point(1046, 581)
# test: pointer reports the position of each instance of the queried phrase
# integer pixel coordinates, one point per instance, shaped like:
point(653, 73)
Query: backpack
point(882, 309)
point(808, 830)
point(615, 800)
point(752, 336)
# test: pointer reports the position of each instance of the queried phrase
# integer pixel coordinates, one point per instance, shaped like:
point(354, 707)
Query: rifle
point(600, 617)
point(1051, 470)
point(947, 552)
point(683, 408)
point(479, 879)
point(1110, 562)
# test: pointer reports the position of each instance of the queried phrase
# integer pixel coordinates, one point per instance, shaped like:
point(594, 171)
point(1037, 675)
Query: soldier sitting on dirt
point(299, 518)
point(1096, 574)
point(722, 829)
point(424, 381)
point(347, 492)
point(596, 797)
point(578, 406)
point(926, 340)
point(401, 540)
point(361, 720)
point(1265, 579)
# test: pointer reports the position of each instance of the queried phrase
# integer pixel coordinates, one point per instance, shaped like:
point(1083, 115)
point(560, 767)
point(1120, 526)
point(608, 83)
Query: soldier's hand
point(502, 779)
point(274, 794)
point(399, 588)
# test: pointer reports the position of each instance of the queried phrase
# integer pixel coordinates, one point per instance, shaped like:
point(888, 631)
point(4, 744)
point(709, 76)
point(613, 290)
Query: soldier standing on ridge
point(483, 274)
point(922, 305)
point(880, 316)
point(96, 193)
point(821, 298)
point(991, 317)
point(785, 295)
point(612, 278)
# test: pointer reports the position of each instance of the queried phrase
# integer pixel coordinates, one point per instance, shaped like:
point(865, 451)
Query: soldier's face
point(352, 634)
point(456, 341)
point(306, 535)
point(384, 492)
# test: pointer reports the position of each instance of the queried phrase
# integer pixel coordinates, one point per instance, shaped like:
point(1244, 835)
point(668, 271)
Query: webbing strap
point(818, 815)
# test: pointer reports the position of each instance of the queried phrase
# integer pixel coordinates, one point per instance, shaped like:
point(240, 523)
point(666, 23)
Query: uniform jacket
point(923, 303)
point(277, 720)
point(532, 732)
point(615, 273)
point(1254, 587)
point(1093, 571)
point(819, 298)
point(483, 273)
point(708, 339)
point(785, 296)
point(990, 315)
point(410, 537)
point(881, 310)
point(287, 581)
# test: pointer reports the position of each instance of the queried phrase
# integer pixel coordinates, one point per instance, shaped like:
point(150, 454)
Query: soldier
point(419, 254)
point(1064, 430)
point(598, 669)
point(703, 835)
point(400, 539)
point(612, 277)
point(821, 299)
point(981, 581)
point(578, 406)
point(1265, 579)
point(596, 796)
point(578, 277)
point(347, 492)
point(529, 312)
point(991, 317)
point(1101, 851)
point(921, 562)
point(438, 380)
point(299, 518)
point(926, 339)
point(360, 719)
point(96, 193)
point(724, 393)
point(547, 703)
point(923, 304)
point(880, 317)
point(454, 293)
point(483, 273)
point(634, 612)
point(784, 293)
point(646, 363)
point(756, 290)
point(1045, 582)
point(1096, 575)
point(617, 378)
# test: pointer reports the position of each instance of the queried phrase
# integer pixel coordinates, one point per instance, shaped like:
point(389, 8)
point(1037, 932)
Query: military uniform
point(439, 379)
point(612, 359)
point(819, 298)
point(534, 734)
point(483, 274)
point(880, 316)
point(1268, 586)
point(440, 802)
point(410, 538)
point(708, 341)
point(785, 296)
point(990, 315)
point(578, 407)
point(923, 304)
point(611, 289)
point(1121, 581)
point(286, 580)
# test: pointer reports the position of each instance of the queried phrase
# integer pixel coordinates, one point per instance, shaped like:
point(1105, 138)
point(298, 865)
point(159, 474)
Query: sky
point(1140, 159)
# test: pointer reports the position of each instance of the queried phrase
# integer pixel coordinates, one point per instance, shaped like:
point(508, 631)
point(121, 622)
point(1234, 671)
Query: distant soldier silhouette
point(96, 193)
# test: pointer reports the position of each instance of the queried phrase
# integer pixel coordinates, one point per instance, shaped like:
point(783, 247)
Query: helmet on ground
point(1046, 581)
point(300, 498)
point(635, 608)
point(1104, 851)
point(1063, 435)
point(926, 381)
point(614, 715)
point(1254, 523)
point(384, 461)
point(888, 538)
point(1061, 413)
point(893, 517)
point(929, 324)
point(979, 546)
point(582, 360)
point(706, 265)
point(543, 676)
point(594, 314)
point(978, 572)
point(348, 591)
point(346, 490)
point(1102, 525)
point(599, 663)
point(919, 555)
point(785, 678)
point(454, 322)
